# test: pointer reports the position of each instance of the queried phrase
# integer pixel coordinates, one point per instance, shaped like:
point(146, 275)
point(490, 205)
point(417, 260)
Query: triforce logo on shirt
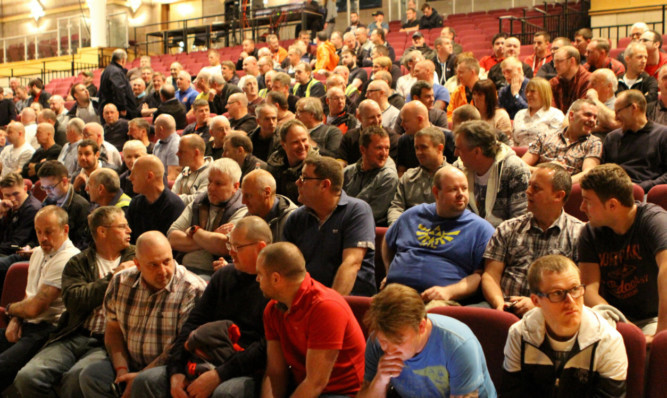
point(434, 237)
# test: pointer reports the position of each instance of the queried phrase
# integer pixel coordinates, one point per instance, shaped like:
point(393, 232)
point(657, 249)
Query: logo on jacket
point(434, 237)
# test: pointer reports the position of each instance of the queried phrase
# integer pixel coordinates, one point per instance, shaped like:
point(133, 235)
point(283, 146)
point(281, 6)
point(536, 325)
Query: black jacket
point(645, 83)
point(219, 103)
point(434, 21)
point(18, 227)
point(77, 208)
point(115, 88)
point(247, 123)
point(174, 108)
point(7, 111)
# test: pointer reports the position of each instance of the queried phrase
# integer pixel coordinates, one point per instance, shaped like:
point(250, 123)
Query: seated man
point(239, 118)
point(437, 248)
point(17, 213)
point(373, 178)
point(407, 344)
point(238, 147)
point(562, 347)
point(89, 161)
point(48, 150)
point(155, 207)
point(639, 146)
point(68, 154)
point(104, 189)
point(193, 179)
point(259, 195)
point(657, 110)
point(134, 316)
point(312, 335)
point(603, 86)
point(516, 243)
point(202, 114)
point(635, 76)
point(623, 250)
point(34, 317)
point(166, 148)
point(233, 294)
point(571, 81)
point(132, 150)
point(285, 164)
point(265, 138)
point(512, 97)
point(335, 232)
point(309, 112)
point(597, 57)
point(115, 127)
point(84, 108)
point(108, 152)
point(139, 129)
point(170, 105)
point(55, 182)
point(575, 147)
point(306, 85)
point(79, 338)
point(203, 228)
point(499, 178)
point(17, 152)
point(218, 127)
point(414, 185)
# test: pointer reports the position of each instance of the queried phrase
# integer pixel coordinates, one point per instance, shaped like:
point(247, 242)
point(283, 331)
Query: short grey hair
point(260, 109)
point(76, 125)
point(134, 144)
point(632, 47)
point(607, 75)
point(312, 105)
point(227, 166)
point(118, 55)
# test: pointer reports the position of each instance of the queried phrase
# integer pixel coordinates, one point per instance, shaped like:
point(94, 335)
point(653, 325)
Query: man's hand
point(122, 266)
point(390, 365)
point(25, 252)
point(13, 331)
point(126, 378)
point(225, 229)
point(515, 84)
point(219, 263)
point(144, 106)
point(435, 293)
point(178, 384)
point(80, 181)
point(5, 206)
point(591, 94)
point(31, 169)
point(243, 55)
point(203, 386)
point(521, 305)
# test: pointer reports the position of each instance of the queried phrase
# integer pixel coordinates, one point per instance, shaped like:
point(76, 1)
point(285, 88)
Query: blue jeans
point(96, 379)
point(154, 383)
point(14, 355)
point(57, 367)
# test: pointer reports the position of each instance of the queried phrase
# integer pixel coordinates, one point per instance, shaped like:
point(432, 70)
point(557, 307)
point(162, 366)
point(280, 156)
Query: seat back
point(490, 327)
point(635, 347)
point(359, 306)
point(658, 195)
point(38, 192)
point(13, 289)
point(657, 364)
point(380, 271)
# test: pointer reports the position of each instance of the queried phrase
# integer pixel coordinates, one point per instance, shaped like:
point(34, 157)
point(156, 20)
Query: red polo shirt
point(319, 319)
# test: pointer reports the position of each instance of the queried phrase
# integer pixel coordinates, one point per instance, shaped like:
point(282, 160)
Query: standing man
point(33, 318)
point(561, 347)
point(311, 332)
point(115, 87)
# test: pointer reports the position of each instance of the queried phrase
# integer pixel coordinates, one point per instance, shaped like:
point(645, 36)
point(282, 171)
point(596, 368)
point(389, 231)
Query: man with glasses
point(516, 243)
point(335, 232)
point(572, 80)
point(653, 42)
point(55, 182)
point(548, 70)
point(640, 145)
point(79, 338)
point(623, 250)
point(562, 348)
point(635, 77)
point(233, 295)
point(636, 31)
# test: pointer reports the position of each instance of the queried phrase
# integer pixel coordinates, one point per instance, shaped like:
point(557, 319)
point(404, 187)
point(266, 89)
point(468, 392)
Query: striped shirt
point(519, 241)
point(150, 320)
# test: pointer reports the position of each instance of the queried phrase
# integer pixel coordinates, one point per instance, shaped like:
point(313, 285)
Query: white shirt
point(526, 127)
point(13, 159)
point(47, 269)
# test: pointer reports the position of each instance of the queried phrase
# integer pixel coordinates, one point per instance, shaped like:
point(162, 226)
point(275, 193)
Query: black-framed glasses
point(236, 248)
point(121, 226)
point(559, 295)
point(623, 107)
point(52, 187)
point(303, 178)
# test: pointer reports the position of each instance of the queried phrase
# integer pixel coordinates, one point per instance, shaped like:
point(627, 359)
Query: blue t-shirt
point(350, 225)
point(451, 363)
point(188, 97)
point(435, 251)
point(439, 92)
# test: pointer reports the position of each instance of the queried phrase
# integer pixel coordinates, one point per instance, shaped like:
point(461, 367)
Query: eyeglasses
point(622, 108)
point(559, 295)
point(303, 178)
point(50, 187)
point(236, 248)
point(120, 226)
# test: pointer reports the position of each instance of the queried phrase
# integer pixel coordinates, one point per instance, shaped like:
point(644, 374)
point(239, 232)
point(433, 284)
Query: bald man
point(378, 91)
point(443, 268)
point(104, 189)
point(135, 317)
point(218, 127)
point(48, 150)
point(108, 152)
point(259, 196)
point(115, 127)
point(239, 118)
point(155, 207)
point(18, 151)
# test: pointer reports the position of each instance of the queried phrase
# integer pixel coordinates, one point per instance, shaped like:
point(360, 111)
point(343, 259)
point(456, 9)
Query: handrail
point(558, 24)
point(610, 28)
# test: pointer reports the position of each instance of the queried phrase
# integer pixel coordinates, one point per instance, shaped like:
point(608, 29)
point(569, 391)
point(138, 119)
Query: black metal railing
point(564, 22)
point(47, 72)
point(623, 30)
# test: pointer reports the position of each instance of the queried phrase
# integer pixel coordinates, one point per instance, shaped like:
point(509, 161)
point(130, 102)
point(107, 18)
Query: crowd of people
point(212, 258)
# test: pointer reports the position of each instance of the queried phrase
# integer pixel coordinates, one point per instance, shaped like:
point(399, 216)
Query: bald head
point(369, 113)
point(165, 125)
point(150, 163)
point(28, 116)
point(150, 239)
point(94, 131)
point(260, 179)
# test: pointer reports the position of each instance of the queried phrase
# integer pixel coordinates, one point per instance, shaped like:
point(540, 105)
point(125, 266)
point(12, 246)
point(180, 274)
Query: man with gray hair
point(132, 150)
point(186, 94)
point(115, 87)
point(139, 129)
point(202, 230)
point(603, 85)
point(223, 90)
point(636, 31)
point(635, 77)
point(259, 195)
point(68, 154)
point(218, 127)
point(378, 91)
point(104, 189)
point(167, 146)
point(265, 138)
point(496, 176)
point(575, 147)
point(309, 112)
point(239, 118)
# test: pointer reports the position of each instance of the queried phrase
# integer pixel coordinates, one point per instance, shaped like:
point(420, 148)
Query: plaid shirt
point(553, 147)
point(150, 320)
point(519, 241)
